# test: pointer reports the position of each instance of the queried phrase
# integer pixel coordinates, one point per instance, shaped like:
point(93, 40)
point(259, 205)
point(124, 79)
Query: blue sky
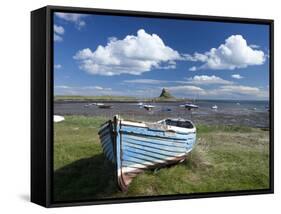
point(135, 56)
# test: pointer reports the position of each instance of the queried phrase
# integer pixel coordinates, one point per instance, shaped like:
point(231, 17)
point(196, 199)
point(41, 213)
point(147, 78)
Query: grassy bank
point(95, 98)
point(108, 98)
point(225, 158)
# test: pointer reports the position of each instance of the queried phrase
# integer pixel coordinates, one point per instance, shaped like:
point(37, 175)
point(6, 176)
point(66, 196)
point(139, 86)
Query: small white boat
point(215, 107)
point(58, 118)
point(102, 105)
point(148, 107)
point(190, 106)
point(140, 104)
point(89, 105)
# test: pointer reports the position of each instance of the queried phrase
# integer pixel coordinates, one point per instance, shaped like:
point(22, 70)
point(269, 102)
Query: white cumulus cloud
point(58, 32)
point(234, 53)
point(186, 90)
point(237, 76)
point(82, 90)
point(146, 81)
point(193, 68)
point(205, 79)
point(75, 18)
point(58, 29)
point(57, 66)
point(62, 87)
point(131, 55)
point(239, 89)
point(96, 88)
point(57, 38)
point(221, 92)
point(254, 46)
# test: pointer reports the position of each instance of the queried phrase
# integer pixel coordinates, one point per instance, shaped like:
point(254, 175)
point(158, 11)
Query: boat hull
point(134, 147)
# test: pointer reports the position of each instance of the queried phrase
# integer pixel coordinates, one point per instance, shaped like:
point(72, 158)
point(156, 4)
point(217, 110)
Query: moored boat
point(148, 107)
point(102, 105)
point(190, 106)
point(58, 118)
point(136, 146)
point(214, 107)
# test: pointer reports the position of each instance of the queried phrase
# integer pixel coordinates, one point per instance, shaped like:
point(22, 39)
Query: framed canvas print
point(140, 106)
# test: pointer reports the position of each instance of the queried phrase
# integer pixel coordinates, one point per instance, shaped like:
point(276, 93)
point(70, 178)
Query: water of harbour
point(246, 113)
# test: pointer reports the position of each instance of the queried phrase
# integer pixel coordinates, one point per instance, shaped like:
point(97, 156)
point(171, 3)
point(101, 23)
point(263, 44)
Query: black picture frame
point(42, 104)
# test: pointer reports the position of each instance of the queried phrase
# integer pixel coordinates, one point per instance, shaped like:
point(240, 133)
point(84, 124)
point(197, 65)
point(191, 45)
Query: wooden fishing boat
point(136, 146)
point(148, 107)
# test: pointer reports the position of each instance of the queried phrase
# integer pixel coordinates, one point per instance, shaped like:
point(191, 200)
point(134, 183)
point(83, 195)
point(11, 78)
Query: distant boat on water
point(149, 107)
point(89, 104)
point(102, 105)
point(136, 146)
point(214, 107)
point(190, 106)
point(140, 104)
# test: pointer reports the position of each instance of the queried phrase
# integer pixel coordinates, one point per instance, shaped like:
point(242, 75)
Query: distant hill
point(165, 94)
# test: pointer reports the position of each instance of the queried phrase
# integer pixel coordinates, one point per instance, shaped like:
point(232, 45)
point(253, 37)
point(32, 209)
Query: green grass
point(97, 98)
point(225, 158)
point(117, 99)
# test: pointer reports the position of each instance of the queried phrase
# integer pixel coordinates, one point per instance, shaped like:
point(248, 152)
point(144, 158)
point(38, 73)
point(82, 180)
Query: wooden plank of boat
point(136, 146)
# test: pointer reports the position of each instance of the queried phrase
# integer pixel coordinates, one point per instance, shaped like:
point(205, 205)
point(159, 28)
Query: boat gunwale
point(104, 125)
point(156, 136)
point(177, 129)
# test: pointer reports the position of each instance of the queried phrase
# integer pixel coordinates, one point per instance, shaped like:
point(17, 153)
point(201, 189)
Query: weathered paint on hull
point(134, 147)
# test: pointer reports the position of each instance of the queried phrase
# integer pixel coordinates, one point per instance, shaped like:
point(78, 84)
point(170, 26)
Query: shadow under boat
point(85, 179)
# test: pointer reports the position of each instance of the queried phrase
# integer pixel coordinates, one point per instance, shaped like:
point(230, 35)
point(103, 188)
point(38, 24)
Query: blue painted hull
point(135, 146)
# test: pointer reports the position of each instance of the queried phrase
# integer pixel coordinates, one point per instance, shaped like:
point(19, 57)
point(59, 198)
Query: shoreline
point(118, 101)
point(244, 114)
point(89, 100)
